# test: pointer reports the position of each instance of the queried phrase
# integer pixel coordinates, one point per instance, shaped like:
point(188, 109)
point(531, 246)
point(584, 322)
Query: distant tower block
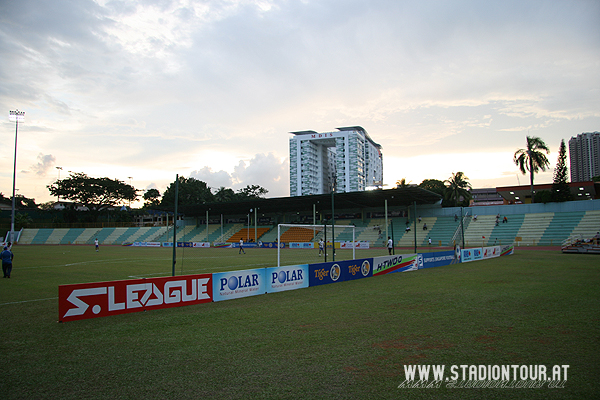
point(348, 157)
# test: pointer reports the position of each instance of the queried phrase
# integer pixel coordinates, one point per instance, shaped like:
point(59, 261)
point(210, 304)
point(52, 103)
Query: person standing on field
point(96, 244)
point(321, 247)
point(241, 247)
point(7, 257)
point(390, 245)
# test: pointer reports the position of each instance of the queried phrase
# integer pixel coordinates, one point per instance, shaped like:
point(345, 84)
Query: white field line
point(28, 301)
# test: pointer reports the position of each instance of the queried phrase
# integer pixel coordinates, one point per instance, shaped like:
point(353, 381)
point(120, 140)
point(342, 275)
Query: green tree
point(433, 185)
point(560, 186)
point(543, 196)
point(24, 202)
point(22, 219)
point(225, 195)
point(251, 192)
point(93, 193)
point(151, 198)
point(457, 191)
point(191, 192)
point(532, 159)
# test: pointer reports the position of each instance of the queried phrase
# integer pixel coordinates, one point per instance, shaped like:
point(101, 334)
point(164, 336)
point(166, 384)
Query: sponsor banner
point(101, 299)
point(507, 250)
point(301, 245)
point(466, 255)
point(492, 251)
point(200, 244)
point(356, 269)
point(472, 254)
point(397, 263)
point(269, 245)
point(289, 277)
point(236, 284)
point(146, 244)
point(357, 245)
point(324, 273)
point(337, 271)
point(222, 245)
point(246, 245)
point(437, 259)
point(179, 244)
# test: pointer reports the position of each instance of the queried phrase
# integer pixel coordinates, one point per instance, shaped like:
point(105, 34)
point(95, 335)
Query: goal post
point(300, 242)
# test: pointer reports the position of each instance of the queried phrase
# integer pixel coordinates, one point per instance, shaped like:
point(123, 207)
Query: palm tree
point(402, 183)
point(458, 187)
point(532, 158)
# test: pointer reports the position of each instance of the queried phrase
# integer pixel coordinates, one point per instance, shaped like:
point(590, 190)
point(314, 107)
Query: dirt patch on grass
point(403, 350)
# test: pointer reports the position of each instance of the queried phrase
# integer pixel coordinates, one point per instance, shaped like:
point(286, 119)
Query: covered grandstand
point(527, 225)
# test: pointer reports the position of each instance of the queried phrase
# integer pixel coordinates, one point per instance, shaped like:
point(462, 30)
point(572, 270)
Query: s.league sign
point(101, 299)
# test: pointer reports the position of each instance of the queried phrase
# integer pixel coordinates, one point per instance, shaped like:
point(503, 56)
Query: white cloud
point(151, 89)
point(45, 162)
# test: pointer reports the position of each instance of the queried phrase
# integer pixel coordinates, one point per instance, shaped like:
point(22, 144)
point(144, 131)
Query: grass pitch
point(348, 340)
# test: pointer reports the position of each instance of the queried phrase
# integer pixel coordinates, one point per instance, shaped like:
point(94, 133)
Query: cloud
point(45, 162)
point(214, 179)
point(267, 171)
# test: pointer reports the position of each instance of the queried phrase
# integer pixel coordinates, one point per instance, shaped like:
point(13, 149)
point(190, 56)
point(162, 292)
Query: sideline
point(27, 301)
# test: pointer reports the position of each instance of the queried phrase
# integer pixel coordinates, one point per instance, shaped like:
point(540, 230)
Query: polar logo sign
point(235, 284)
point(111, 298)
point(287, 278)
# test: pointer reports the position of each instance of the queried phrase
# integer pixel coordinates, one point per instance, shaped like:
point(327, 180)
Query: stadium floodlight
point(15, 116)
point(58, 197)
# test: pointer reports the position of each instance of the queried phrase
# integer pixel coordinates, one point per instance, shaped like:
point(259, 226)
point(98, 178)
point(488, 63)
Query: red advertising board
point(101, 299)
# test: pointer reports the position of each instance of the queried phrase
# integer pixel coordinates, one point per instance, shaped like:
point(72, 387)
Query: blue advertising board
point(289, 277)
point(337, 271)
point(437, 259)
point(236, 284)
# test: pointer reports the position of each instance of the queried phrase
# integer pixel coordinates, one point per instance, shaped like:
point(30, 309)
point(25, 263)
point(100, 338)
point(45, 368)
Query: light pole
point(58, 181)
point(130, 178)
point(15, 116)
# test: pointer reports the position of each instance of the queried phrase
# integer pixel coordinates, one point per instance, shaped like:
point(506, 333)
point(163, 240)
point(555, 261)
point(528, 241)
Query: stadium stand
point(247, 235)
point(527, 229)
point(297, 234)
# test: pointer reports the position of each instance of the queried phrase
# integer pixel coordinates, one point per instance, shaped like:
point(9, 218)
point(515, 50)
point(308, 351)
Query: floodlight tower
point(15, 116)
point(58, 197)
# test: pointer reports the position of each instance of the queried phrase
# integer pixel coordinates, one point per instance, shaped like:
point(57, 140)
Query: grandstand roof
point(399, 197)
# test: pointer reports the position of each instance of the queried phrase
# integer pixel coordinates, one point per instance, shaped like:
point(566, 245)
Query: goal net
point(305, 244)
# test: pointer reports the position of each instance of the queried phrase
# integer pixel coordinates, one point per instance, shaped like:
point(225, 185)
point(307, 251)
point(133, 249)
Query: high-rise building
point(584, 155)
point(347, 158)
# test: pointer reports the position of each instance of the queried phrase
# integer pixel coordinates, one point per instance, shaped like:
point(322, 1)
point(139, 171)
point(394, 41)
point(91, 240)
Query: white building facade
point(584, 155)
point(347, 158)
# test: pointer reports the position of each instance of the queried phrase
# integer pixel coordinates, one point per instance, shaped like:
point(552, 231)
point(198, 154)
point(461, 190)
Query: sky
point(142, 91)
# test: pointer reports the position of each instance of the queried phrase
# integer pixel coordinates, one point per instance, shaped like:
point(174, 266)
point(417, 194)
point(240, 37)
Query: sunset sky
point(211, 89)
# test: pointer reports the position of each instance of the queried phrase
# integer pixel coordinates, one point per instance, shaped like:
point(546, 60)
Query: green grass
point(347, 340)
